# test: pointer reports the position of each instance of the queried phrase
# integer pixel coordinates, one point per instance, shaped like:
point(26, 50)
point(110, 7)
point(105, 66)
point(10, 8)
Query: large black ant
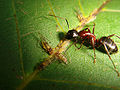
point(85, 35)
point(105, 41)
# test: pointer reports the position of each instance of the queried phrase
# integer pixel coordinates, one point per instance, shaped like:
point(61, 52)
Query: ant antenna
point(62, 18)
point(67, 23)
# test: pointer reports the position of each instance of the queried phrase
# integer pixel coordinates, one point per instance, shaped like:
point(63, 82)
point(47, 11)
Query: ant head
point(71, 34)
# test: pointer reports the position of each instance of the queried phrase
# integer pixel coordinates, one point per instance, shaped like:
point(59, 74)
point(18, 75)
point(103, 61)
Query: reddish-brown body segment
point(87, 35)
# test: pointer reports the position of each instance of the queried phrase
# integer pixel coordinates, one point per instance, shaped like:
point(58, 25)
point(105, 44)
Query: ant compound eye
point(72, 34)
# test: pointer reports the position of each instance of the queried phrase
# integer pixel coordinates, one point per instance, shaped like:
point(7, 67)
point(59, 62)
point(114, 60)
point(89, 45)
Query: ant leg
point(70, 46)
point(113, 35)
point(65, 60)
point(93, 45)
point(87, 29)
point(93, 28)
point(111, 59)
point(80, 45)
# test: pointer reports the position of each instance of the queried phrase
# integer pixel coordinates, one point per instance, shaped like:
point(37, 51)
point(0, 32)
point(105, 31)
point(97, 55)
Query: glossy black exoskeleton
point(104, 43)
point(109, 44)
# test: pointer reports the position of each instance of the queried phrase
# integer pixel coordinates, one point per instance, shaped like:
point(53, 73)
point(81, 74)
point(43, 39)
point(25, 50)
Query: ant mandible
point(105, 41)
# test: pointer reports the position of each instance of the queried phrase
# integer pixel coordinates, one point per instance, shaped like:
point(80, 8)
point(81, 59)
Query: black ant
point(105, 41)
point(85, 35)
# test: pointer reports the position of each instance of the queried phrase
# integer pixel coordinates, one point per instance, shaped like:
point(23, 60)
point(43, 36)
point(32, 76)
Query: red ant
point(86, 35)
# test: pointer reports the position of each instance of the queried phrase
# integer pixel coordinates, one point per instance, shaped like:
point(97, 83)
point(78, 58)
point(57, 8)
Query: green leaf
point(33, 16)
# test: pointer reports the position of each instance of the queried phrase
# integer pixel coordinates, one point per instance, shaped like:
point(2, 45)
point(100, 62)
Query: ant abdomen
point(109, 43)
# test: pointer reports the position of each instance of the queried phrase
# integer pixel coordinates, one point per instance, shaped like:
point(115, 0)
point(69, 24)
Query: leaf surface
point(33, 16)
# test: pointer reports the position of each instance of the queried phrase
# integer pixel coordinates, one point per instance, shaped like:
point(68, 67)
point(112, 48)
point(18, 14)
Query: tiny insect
point(56, 52)
point(104, 43)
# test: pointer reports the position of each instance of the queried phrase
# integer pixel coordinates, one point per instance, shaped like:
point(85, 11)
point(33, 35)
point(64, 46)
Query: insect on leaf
point(19, 55)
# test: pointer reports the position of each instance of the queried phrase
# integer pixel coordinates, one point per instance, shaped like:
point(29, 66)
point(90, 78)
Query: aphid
point(55, 51)
point(104, 43)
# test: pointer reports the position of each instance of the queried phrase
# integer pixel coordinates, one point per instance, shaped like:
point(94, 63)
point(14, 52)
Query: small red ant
point(105, 41)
